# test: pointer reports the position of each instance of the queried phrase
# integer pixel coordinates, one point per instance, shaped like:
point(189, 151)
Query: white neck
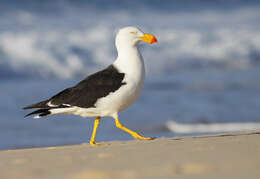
point(130, 61)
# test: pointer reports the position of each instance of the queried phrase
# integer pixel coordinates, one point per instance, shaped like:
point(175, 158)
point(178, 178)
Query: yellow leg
point(92, 140)
point(134, 134)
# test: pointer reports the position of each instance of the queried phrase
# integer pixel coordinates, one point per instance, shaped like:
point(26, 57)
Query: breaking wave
point(78, 41)
point(212, 127)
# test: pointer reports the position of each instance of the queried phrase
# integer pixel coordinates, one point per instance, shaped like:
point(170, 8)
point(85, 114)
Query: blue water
point(205, 67)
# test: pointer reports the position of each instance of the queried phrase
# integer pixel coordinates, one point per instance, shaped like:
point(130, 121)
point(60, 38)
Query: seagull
point(106, 92)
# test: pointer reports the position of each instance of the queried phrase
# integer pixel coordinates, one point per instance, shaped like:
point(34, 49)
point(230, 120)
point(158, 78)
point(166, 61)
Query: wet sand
point(235, 155)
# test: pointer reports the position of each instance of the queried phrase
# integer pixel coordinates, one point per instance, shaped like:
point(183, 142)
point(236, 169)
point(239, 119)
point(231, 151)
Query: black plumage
point(41, 112)
point(85, 94)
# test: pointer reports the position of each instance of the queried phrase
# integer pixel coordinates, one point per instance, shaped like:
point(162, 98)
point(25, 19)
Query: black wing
point(87, 92)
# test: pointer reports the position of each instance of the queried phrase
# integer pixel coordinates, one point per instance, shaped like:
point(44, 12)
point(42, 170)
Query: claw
point(93, 143)
point(138, 136)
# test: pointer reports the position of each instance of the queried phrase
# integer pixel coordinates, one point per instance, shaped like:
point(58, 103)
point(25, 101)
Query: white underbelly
point(119, 100)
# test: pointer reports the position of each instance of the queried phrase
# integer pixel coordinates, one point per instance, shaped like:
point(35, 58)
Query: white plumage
point(131, 63)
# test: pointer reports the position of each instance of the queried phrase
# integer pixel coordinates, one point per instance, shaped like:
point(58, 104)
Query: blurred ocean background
point(204, 70)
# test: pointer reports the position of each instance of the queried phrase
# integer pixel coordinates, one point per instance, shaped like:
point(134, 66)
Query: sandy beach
point(235, 155)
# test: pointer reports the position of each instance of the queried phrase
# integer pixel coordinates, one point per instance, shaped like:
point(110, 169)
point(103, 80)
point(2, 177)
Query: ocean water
point(205, 68)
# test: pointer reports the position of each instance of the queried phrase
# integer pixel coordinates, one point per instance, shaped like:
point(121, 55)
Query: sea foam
point(80, 41)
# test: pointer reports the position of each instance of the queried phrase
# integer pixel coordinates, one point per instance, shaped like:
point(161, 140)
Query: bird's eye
point(133, 32)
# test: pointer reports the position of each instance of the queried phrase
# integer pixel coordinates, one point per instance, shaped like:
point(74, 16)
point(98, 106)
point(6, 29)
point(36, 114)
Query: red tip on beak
point(154, 40)
point(149, 38)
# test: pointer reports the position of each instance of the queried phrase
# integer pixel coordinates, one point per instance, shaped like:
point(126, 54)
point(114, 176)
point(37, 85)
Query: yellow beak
point(148, 38)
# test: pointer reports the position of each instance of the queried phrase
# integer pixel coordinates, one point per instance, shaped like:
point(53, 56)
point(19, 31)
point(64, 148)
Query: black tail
point(41, 104)
point(41, 112)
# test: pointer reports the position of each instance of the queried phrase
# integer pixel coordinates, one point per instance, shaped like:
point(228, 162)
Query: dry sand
point(210, 157)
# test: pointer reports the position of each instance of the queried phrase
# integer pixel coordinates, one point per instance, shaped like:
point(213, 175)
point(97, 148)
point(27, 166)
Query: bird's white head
point(131, 36)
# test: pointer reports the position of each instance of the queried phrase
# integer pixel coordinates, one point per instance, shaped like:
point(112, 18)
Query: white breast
point(132, 65)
